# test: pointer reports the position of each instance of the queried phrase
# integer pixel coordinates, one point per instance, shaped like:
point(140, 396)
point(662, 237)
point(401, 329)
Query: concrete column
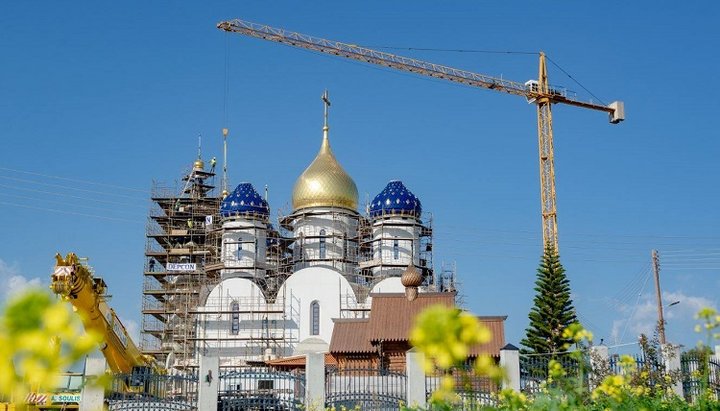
point(93, 394)
point(599, 364)
point(671, 358)
point(209, 381)
point(416, 396)
point(510, 361)
point(315, 381)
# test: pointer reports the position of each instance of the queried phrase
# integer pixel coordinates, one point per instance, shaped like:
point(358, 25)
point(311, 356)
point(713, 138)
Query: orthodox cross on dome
point(199, 146)
point(326, 101)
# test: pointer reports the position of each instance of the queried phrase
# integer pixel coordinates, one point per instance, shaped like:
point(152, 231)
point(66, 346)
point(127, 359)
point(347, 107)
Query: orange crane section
point(535, 91)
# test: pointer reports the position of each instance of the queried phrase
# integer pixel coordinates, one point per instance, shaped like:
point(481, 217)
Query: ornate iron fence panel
point(365, 389)
point(694, 371)
point(648, 363)
point(153, 392)
point(474, 391)
point(261, 389)
point(534, 370)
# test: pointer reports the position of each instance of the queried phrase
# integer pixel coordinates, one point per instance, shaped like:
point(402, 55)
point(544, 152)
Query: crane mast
point(538, 92)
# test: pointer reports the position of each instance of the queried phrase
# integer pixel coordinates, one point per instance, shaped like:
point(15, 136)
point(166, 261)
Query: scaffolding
point(175, 279)
point(185, 261)
point(374, 263)
point(247, 329)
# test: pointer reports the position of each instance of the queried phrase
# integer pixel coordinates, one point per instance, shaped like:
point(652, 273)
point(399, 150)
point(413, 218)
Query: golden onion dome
point(198, 165)
point(325, 183)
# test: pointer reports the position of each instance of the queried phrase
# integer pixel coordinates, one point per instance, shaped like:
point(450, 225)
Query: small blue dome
point(395, 199)
point(244, 200)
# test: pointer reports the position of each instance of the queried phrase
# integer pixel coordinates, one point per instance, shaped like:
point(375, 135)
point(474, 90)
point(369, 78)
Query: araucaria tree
point(553, 310)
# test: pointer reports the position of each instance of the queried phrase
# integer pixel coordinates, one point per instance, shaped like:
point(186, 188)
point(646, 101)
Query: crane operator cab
point(533, 86)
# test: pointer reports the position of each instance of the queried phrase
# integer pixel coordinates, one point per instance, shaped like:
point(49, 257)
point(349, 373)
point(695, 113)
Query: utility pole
point(661, 320)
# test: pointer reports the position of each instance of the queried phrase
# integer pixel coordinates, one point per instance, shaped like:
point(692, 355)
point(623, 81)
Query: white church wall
point(323, 236)
point(244, 246)
point(315, 284)
point(388, 285)
point(396, 241)
point(238, 323)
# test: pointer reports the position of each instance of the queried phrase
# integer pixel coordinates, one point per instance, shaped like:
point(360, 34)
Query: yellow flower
point(39, 338)
point(577, 333)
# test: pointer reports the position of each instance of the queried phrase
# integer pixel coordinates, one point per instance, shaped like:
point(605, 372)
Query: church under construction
point(220, 275)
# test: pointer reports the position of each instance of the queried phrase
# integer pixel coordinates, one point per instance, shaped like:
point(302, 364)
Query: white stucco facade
point(323, 236)
point(240, 325)
point(244, 247)
point(396, 241)
point(315, 285)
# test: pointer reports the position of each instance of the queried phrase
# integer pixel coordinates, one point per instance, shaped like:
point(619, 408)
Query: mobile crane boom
point(74, 282)
point(538, 92)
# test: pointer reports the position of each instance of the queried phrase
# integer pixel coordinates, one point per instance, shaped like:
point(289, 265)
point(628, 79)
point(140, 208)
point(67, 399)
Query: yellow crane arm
point(535, 91)
point(74, 282)
point(381, 58)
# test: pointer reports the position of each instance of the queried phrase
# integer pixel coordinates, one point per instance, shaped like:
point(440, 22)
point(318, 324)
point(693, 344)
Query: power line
point(637, 303)
point(69, 187)
point(104, 209)
point(73, 180)
point(69, 212)
point(62, 194)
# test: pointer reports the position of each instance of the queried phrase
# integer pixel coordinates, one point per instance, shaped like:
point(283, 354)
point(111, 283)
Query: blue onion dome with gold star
point(396, 199)
point(244, 200)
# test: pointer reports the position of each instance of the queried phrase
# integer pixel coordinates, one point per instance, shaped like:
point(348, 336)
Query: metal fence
point(652, 364)
point(694, 371)
point(144, 391)
point(534, 370)
point(261, 389)
point(365, 389)
point(473, 391)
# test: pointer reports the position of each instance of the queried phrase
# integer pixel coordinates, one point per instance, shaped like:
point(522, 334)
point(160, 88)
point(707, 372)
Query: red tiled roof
point(392, 317)
point(496, 324)
point(350, 336)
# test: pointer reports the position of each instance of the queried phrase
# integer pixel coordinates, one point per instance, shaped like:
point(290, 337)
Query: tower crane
point(537, 91)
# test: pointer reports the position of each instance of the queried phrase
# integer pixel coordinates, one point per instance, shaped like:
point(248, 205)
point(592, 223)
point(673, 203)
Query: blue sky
point(115, 94)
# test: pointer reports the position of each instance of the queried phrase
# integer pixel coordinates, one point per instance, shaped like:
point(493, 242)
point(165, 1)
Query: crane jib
point(535, 91)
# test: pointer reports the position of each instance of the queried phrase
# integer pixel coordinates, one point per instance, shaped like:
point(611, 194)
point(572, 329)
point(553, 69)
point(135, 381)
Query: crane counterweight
point(618, 113)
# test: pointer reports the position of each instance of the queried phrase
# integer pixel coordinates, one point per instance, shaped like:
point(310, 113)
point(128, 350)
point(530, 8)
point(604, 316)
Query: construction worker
point(212, 164)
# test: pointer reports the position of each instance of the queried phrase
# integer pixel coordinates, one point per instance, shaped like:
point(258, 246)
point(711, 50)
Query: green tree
point(553, 310)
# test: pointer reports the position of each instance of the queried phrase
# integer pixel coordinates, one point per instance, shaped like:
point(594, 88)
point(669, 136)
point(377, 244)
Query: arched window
point(322, 245)
point(235, 318)
point(396, 249)
point(315, 318)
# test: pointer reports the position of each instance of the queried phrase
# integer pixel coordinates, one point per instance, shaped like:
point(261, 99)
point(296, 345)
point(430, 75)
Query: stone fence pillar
point(671, 358)
point(208, 381)
point(415, 379)
point(510, 361)
point(599, 364)
point(93, 394)
point(315, 381)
